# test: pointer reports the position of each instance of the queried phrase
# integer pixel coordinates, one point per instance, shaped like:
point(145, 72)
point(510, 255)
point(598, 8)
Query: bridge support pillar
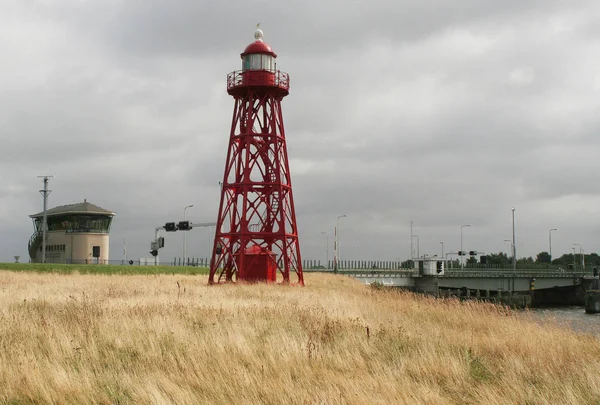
point(487, 294)
point(592, 302)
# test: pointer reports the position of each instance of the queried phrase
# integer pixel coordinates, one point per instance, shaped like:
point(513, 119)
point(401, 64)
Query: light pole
point(510, 244)
point(442, 249)
point(327, 255)
point(550, 243)
point(514, 246)
point(418, 253)
point(336, 243)
point(573, 259)
point(462, 262)
point(185, 235)
point(576, 244)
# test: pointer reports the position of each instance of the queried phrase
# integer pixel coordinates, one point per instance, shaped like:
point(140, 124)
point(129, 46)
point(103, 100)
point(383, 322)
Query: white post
point(550, 242)
point(462, 262)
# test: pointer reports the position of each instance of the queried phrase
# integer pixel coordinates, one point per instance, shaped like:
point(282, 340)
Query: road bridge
point(523, 286)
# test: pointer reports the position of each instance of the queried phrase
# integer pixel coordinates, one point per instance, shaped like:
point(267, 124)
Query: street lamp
point(417, 236)
point(550, 242)
point(326, 237)
point(442, 249)
point(185, 235)
point(462, 261)
point(514, 246)
point(336, 243)
point(576, 244)
point(573, 259)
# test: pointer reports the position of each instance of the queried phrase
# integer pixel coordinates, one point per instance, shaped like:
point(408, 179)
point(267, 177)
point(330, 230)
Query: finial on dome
point(258, 34)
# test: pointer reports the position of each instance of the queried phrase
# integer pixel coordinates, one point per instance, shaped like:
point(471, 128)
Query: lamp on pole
point(576, 244)
point(327, 255)
point(550, 242)
point(462, 261)
point(185, 235)
point(336, 243)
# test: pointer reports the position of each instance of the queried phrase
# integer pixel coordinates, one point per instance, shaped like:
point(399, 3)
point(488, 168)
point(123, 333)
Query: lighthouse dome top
point(258, 46)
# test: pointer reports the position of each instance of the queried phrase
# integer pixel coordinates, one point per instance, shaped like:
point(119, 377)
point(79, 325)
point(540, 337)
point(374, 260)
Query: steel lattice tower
point(256, 235)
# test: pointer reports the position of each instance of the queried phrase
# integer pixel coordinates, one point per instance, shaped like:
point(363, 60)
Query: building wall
point(77, 247)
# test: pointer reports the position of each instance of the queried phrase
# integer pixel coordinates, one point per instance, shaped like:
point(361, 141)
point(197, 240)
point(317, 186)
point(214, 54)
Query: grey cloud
point(442, 113)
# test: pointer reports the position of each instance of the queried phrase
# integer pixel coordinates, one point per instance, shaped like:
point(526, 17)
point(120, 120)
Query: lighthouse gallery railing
point(258, 78)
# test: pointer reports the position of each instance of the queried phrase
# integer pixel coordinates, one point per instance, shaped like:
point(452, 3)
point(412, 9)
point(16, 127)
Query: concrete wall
point(77, 247)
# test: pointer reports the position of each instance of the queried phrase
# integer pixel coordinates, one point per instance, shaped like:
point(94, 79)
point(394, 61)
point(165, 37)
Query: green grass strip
point(101, 268)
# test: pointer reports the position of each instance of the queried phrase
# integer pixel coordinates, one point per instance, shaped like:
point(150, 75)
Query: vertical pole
point(412, 255)
point(335, 244)
point(45, 192)
point(514, 246)
point(550, 244)
point(124, 251)
point(327, 236)
point(45, 220)
point(461, 248)
point(156, 242)
point(185, 236)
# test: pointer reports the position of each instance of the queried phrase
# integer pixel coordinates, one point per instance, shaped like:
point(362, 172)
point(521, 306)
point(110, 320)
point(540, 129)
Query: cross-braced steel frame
point(257, 206)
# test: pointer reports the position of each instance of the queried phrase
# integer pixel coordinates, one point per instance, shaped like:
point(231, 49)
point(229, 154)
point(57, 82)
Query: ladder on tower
point(274, 198)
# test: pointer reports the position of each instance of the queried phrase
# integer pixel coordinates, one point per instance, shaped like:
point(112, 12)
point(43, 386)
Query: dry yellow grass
point(83, 339)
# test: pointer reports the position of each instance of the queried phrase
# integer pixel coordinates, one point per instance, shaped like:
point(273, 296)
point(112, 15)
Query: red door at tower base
point(259, 265)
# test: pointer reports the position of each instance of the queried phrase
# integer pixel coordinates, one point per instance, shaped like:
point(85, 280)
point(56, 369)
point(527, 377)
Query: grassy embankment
point(172, 339)
point(101, 268)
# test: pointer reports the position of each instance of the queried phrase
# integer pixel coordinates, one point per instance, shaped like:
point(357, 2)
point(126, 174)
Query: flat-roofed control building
point(73, 231)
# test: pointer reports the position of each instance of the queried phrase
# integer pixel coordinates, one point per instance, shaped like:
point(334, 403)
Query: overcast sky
point(443, 113)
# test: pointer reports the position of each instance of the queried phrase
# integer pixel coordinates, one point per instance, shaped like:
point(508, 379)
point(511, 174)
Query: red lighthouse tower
point(256, 235)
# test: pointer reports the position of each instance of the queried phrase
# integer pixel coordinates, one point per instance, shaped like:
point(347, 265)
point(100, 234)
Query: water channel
point(573, 317)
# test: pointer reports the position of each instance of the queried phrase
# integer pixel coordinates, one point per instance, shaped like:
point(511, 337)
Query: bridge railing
point(519, 273)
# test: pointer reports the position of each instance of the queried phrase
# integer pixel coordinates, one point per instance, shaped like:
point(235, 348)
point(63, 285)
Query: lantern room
point(259, 71)
point(258, 55)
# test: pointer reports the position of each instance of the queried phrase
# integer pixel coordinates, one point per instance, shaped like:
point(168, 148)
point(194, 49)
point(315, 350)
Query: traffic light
point(473, 252)
point(170, 227)
point(439, 267)
point(184, 226)
point(483, 259)
point(161, 242)
point(154, 252)
point(461, 252)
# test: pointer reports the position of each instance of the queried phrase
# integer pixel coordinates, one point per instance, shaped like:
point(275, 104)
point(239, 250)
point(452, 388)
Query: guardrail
point(275, 78)
point(520, 273)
